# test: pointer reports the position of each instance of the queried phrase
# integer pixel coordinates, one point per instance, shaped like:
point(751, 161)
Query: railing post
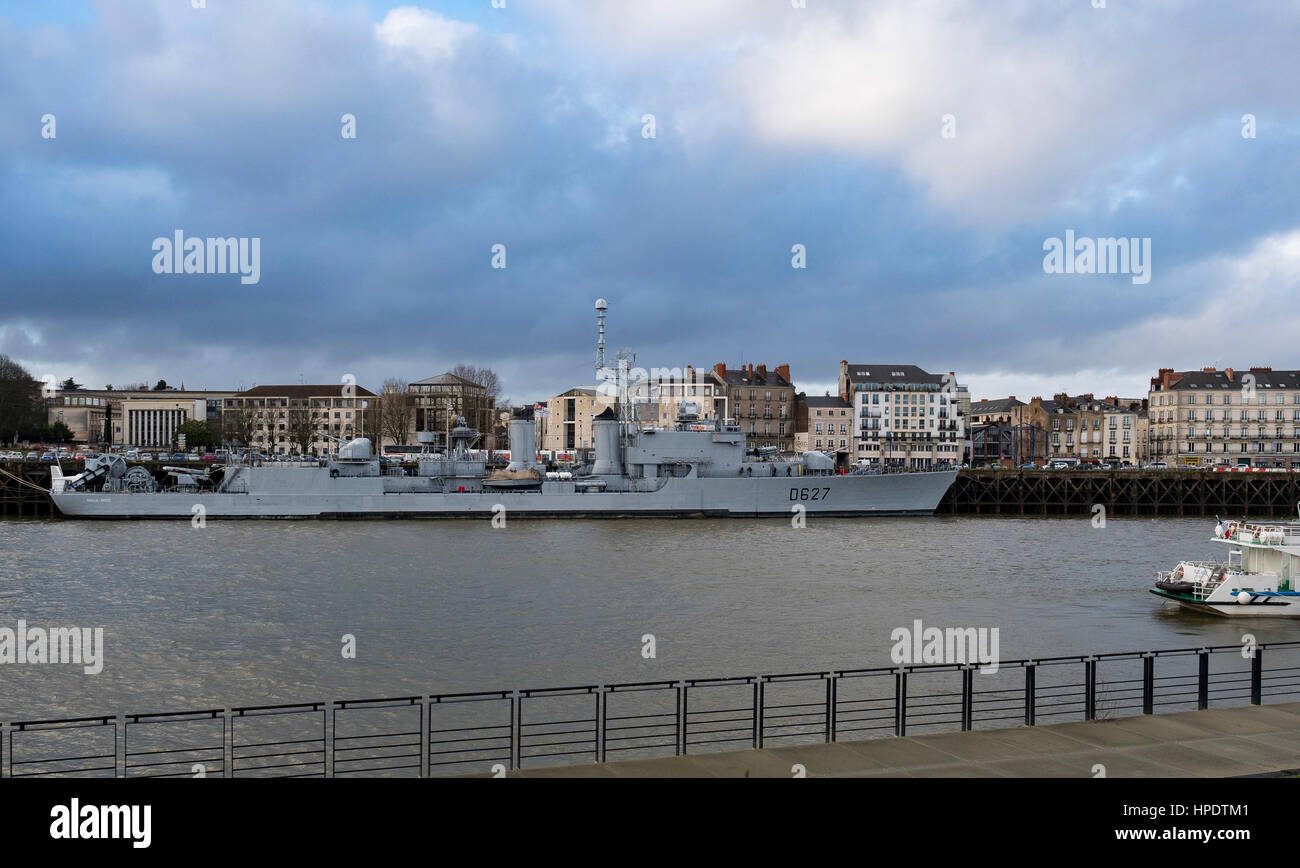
point(1203, 680)
point(900, 702)
point(1257, 677)
point(831, 684)
point(758, 713)
point(329, 723)
point(227, 743)
point(1030, 671)
point(681, 719)
point(601, 696)
point(967, 697)
point(1090, 689)
point(516, 725)
point(1148, 683)
point(119, 746)
point(426, 713)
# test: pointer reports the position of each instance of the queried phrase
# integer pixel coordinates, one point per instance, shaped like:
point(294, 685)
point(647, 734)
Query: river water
point(247, 613)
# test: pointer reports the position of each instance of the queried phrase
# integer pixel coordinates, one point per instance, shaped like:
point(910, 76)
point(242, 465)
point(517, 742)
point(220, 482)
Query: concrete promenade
point(1217, 742)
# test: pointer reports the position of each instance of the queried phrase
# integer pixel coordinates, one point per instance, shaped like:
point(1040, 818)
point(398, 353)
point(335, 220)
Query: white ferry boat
point(1257, 578)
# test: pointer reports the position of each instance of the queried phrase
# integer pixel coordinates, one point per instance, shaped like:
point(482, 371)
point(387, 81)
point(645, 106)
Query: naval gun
point(356, 449)
point(103, 473)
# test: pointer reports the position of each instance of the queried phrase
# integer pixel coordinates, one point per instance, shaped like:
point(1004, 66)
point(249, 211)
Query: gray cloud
point(376, 251)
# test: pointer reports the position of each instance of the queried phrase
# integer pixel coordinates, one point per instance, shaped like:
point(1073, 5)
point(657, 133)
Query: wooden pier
point(1196, 493)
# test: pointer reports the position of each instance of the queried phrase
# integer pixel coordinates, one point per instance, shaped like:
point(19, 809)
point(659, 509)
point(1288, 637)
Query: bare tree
point(479, 411)
point(239, 425)
point(485, 377)
point(371, 423)
point(395, 411)
point(302, 425)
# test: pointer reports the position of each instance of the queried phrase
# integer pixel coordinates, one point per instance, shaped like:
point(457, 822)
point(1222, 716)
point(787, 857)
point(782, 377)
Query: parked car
point(146, 456)
point(208, 456)
point(1156, 465)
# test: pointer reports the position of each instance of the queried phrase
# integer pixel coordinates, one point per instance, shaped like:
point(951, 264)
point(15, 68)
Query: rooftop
point(330, 390)
point(997, 405)
point(447, 379)
point(891, 374)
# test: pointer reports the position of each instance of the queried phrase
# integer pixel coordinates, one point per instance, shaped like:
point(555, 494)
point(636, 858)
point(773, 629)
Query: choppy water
point(242, 613)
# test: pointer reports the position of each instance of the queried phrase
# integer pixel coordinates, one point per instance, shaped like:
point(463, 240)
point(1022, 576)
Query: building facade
point(761, 401)
point(436, 403)
point(824, 424)
point(903, 416)
point(663, 394)
point(567, 423)
point(140, 417)
point(289, 420)
point(1123, 431)
point(1216, 418)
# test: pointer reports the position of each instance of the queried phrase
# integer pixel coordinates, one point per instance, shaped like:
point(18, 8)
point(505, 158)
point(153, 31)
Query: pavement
point(1218, 742)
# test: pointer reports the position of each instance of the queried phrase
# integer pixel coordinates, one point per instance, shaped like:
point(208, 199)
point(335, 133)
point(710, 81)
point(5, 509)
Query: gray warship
point(687, 469)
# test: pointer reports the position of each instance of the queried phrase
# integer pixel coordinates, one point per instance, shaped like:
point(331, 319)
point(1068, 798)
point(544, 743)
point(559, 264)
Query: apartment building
point(289, 419)
point(762, 402)
point(1226, 417)
point(903, 416)
point(825, 424)
point(566, 425)
point(1123, 428)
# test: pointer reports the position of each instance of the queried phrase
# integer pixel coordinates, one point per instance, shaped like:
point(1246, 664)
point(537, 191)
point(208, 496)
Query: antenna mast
point(601, 307)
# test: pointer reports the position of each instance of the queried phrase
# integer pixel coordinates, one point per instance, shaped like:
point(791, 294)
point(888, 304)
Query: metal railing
point(491, 732)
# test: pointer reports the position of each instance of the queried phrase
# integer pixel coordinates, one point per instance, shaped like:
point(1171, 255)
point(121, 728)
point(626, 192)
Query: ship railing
point(486, 733)
point(1287, 529)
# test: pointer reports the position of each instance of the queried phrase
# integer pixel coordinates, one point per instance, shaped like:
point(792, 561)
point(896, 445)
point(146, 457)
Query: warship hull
point(290, 495)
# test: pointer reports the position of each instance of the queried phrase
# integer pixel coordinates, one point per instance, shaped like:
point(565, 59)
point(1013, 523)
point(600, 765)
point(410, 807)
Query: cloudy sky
point(922, 152)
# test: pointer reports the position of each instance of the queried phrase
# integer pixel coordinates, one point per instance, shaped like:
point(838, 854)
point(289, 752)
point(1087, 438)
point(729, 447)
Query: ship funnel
point(604, 431)
point(523, 444)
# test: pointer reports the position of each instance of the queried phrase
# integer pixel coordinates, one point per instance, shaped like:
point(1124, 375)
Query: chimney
point(1210, 370)
point(1166, 377)
point(721, 370)
point(1260, 370)
point(762, 373)
point(783, 371)
point(1231, 373)
point(1012, 398)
